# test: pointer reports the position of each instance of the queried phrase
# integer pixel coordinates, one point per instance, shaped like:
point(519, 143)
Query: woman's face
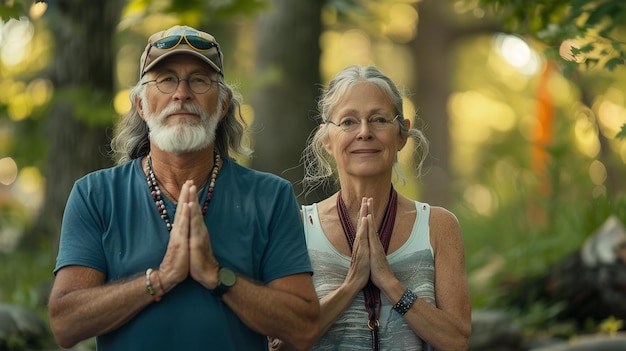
point(367, 151)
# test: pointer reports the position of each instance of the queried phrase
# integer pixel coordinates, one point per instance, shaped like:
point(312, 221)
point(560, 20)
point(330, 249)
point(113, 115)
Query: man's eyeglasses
point(191, 38)
point(352, 124)
point(168, 83)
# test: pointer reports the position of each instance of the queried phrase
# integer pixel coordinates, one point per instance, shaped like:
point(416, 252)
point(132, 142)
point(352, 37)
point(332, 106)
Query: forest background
point(524, 105)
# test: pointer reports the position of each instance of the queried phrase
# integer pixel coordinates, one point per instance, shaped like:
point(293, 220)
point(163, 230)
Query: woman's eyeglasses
point(190, 37)
point(352, 124)
point(168, 83)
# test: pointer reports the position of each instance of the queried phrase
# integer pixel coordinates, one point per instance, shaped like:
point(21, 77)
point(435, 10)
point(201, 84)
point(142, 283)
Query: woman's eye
point(348, 122)
point(379, 120)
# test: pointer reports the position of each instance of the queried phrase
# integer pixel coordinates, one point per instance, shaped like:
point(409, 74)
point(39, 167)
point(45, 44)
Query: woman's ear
point(407, 124)
point(326, 140)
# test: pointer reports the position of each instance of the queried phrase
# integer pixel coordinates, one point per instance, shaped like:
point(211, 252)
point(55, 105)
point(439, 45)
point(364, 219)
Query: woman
point(389, 271)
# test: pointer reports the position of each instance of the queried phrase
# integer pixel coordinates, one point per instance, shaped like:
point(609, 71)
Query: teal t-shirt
point(111, 224)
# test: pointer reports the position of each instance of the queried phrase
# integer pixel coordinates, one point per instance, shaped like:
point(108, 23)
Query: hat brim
point(182, 50)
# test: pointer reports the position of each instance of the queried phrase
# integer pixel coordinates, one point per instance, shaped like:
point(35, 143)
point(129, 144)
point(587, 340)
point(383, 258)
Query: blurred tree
point(82, 74)
point(287, 71)
point(439, 29)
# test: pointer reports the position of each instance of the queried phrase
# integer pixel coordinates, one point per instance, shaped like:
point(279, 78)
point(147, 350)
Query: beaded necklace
point(156, 191)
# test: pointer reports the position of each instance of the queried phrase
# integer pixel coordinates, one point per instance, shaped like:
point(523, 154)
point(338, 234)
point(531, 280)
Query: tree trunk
point(288, 71)
point(84, 61)
point(433, 87)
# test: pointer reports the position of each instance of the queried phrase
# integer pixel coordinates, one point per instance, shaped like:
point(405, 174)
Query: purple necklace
point(371, 291)
point(156, 191)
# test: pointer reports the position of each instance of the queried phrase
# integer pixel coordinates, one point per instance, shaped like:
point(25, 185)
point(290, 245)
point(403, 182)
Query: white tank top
point(413, 265)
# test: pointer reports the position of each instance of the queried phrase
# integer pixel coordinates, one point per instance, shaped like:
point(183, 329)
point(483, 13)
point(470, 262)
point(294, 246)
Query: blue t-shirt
point(111, 224)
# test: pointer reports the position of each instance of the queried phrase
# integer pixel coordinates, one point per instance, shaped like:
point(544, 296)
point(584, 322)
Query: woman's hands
point(359, 271)
point(369, 258)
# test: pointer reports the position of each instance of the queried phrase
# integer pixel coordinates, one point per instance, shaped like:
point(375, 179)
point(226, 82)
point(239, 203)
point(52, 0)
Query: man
point(179, 247)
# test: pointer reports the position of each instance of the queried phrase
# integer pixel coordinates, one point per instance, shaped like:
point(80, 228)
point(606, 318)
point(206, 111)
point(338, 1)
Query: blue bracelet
point(406, 301)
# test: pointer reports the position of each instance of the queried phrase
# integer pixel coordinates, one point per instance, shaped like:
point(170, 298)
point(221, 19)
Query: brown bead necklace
point(155, 190)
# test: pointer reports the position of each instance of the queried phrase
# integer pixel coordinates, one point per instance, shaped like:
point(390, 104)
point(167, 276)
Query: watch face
point(227, 277)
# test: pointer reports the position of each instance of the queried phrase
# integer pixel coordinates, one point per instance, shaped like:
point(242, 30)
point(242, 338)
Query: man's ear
point(226, 104)
point(139, 107)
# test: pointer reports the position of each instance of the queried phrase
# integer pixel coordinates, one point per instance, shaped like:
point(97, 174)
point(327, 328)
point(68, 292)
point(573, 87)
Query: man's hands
point(189, 250)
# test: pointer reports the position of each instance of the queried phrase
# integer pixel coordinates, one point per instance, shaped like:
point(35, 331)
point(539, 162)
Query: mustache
point(187, 106)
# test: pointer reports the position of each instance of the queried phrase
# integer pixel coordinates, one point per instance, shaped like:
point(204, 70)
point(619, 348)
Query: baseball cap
point(181, 40)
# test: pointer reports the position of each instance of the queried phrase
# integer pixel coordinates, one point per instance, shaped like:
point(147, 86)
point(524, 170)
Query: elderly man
point(178, 247)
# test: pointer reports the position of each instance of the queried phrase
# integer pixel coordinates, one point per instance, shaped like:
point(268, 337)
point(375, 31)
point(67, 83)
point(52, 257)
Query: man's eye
point(167, 79)
point(200, 79)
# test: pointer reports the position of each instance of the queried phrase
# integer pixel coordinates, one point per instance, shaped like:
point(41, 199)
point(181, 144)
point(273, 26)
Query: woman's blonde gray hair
point(319, 166)
point(130, 139)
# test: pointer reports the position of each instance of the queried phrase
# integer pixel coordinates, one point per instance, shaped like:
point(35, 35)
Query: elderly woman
point(389, 271)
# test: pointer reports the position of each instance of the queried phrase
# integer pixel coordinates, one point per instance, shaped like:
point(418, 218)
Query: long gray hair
point(319, 166)
point(130, 139)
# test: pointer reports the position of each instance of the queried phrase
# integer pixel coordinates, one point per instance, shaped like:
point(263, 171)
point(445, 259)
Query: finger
point(184, 193)
point(364, 207)
point(372, 233)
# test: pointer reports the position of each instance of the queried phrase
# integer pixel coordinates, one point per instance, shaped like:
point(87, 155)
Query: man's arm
point(82, 306)
point(286, 308)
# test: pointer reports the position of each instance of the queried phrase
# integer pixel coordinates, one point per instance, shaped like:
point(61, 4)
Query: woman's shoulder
point(441, 215)
point(445, 230)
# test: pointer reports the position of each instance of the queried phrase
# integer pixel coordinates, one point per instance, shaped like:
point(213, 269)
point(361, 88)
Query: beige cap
point(181, 40)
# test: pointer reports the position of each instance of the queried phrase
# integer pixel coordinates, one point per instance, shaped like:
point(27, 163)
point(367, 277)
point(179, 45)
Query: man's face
point(181, 121)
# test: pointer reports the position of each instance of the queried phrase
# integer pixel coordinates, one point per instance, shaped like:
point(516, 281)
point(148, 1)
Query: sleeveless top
point(412, 264)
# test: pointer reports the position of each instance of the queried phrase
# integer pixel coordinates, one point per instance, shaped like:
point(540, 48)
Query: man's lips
point(182, 114)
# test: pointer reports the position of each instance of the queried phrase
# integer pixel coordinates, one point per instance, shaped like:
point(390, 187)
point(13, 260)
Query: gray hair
point(319, 166)
point(130, 139)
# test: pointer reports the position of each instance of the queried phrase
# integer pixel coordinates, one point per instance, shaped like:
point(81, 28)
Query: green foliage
point(25, 280)
point(92, 107)
point(622, 133)
point(15, 9)
point(554, 21)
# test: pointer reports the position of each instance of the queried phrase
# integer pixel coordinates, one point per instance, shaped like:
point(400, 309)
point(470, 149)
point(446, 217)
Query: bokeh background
point(524, 105)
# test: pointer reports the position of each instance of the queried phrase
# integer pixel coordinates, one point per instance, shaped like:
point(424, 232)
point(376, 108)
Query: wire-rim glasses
point(352, 124)
point(168, 83)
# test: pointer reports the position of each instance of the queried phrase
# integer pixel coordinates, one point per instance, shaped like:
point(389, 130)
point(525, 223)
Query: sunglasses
point(190, 37)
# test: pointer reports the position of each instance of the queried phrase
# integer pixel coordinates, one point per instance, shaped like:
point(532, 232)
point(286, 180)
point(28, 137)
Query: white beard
point(185, 135)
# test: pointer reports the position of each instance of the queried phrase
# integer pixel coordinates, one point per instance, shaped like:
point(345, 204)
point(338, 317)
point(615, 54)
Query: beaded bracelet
point(151, 291)
point(406, 301)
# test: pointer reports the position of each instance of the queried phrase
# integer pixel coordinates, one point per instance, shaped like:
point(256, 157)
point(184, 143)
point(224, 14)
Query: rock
point(600, 342)
point(20, 328)
point(494, 331)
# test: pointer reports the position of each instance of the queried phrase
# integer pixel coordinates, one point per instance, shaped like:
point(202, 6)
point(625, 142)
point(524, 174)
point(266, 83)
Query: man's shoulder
point(110, 173)
point(248, 173)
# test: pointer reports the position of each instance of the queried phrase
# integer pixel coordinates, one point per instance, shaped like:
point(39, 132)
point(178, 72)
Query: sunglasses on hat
point(192, 38)
point(194, 42)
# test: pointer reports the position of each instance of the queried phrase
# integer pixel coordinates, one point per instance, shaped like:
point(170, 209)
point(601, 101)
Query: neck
point(353, 193)
point(173, 170)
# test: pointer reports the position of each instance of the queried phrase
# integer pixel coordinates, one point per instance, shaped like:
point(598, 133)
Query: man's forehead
point(184, 63)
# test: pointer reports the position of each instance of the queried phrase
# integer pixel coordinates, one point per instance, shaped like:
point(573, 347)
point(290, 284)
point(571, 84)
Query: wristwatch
point(226, 278)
